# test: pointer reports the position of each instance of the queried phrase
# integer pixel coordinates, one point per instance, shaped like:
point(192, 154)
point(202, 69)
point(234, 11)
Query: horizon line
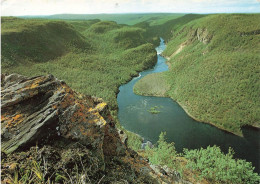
point(130, 13)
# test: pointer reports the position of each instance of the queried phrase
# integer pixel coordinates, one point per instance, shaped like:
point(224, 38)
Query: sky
point(50, 7)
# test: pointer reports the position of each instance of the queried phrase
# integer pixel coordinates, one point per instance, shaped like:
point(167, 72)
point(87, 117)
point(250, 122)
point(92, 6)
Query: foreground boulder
point(41, 110)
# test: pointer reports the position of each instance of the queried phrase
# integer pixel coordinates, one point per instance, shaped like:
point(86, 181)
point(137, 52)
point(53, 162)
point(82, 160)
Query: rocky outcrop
point(42, 109)
point(145, 144)
point(200, 34)
point(203, 35)
point(46, 122)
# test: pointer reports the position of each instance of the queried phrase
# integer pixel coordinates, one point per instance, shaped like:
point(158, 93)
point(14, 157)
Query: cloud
point(2, 1)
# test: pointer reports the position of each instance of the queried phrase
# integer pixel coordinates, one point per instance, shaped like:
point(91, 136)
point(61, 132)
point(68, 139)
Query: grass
point(215, 76)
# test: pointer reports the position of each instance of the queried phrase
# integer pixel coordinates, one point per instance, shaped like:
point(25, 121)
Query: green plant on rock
point(164, 153)
point(36, 174)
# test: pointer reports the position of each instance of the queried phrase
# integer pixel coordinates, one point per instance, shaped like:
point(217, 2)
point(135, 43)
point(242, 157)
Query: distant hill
point(26, 41)
point(214, 68)
point(165, 29)
point(127, 18)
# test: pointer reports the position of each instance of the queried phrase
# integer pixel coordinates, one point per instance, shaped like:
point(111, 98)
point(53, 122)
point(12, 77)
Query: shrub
point(164, 153)
point(222, 168)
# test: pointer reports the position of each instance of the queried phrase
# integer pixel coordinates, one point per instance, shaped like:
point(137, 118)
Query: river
point(179, 127)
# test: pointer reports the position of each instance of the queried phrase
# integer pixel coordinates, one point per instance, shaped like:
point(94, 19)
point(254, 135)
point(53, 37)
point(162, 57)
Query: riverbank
point(199, 120)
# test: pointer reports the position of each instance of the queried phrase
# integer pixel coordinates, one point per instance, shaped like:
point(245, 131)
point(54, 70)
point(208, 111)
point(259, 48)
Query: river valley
point(181, 129)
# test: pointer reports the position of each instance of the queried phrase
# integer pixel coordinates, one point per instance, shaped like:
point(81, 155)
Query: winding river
point(180, 128)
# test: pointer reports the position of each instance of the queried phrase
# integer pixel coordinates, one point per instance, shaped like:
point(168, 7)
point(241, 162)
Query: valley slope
point(94, 57)
point(214, 69)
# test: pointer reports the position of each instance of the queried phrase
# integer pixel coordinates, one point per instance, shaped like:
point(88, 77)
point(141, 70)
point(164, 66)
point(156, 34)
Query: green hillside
point(93, 57)
point(214, 69)
point(162, 28)
point(26, 41)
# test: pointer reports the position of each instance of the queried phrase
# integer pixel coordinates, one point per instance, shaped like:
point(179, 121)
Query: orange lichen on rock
point(3, 118)
point(17, 117)
point(66, 88)
point(54, 106)
point(133, 162)
point(67, 101)
point(14, 121)
point(78, 116)
point(34, 83)
point(83, 130)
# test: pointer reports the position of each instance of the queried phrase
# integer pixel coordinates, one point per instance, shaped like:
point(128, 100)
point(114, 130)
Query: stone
point(148, 143)
point(123, 136)
point(39, 110)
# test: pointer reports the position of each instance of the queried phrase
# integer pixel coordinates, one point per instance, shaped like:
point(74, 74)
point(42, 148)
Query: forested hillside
point(214, 69)
point(93, 57)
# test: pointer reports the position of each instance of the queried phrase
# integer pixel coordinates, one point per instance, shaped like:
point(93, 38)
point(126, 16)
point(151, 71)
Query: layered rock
point(42, 109)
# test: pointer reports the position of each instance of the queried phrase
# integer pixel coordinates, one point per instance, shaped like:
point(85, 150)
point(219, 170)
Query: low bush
point(218, 167)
